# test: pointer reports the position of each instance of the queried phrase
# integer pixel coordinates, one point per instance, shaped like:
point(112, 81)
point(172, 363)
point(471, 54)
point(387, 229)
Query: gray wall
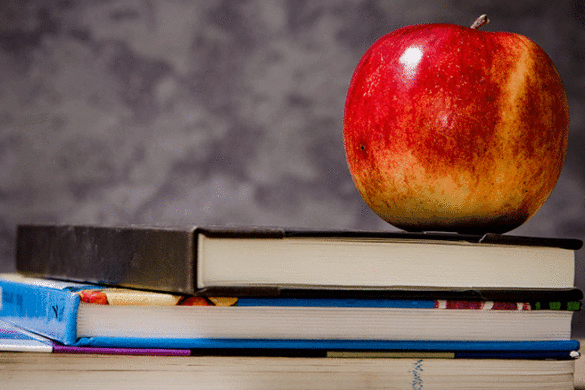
point(222, 112)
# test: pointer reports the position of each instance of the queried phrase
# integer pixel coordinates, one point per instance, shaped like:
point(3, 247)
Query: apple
point(450, 128)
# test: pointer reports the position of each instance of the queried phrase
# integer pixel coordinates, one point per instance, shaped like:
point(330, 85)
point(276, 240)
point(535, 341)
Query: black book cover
point(164, 258)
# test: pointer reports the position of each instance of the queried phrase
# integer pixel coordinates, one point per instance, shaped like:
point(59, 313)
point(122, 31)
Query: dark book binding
point(164, 258)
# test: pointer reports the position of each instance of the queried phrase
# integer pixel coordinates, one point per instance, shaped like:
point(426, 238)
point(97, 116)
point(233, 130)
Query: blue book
point(562, 349)
point(69, 313)
point(15, 339)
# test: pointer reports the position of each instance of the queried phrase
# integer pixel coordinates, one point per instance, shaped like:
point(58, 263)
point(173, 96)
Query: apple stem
point(479, 22)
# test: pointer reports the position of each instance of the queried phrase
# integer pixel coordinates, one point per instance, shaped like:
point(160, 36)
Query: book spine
point(43, 310)
point(120, 256)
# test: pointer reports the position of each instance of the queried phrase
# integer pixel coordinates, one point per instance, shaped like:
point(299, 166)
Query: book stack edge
point(425, 297)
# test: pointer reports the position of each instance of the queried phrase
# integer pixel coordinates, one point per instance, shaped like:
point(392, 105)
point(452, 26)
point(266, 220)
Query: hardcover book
point(259, 261)
point(93, 316)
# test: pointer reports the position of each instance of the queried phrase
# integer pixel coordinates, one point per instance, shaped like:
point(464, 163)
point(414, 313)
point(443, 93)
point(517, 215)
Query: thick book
point(43, 371)
point(87, 315)
point(270, 261)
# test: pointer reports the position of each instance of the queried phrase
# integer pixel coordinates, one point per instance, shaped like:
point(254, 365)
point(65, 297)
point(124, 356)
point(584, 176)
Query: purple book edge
point(121, 351)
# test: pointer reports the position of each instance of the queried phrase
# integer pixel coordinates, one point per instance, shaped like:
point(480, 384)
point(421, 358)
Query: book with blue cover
point(94, 316)
point(16, 339)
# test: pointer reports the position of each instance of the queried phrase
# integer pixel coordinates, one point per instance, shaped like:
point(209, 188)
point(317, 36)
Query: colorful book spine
point(48, 308)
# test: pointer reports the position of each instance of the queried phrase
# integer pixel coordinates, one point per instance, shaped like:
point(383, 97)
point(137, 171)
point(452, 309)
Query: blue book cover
point(50, 308)
point(332, 302)
point(562, 349)
point(13, 338)
point(45, 307)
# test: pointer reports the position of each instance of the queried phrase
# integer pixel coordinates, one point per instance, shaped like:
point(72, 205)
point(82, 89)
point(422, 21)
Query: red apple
point(450, 128)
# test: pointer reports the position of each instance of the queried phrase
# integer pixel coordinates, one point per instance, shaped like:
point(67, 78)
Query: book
point(266, 261)
point(50, 371)
point(16, 339)
point(79, 315)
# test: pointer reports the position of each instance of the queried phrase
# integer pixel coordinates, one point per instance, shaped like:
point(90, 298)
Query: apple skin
point(449, 128)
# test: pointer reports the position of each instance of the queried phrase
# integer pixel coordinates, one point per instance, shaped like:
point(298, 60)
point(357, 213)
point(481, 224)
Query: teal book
point(77, 314)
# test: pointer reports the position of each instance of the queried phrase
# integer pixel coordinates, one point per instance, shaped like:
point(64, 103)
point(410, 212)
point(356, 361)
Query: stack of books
point(491, 311)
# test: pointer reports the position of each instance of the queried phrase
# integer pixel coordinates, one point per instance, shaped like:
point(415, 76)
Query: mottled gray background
point(223, 112)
